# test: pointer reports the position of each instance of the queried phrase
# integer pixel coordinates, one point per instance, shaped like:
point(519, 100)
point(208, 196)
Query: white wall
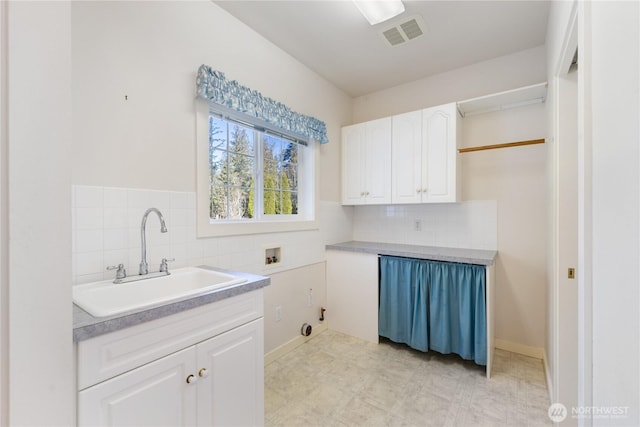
point(615, 126)
point(145, 145)
point(4, 224)
point(484, 78)
point(39, 134)
point(150, 52)
point(289, 290)
point(514, 177)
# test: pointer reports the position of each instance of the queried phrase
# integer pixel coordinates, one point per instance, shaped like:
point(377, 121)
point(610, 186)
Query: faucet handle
point(164, 267)
point(121, 273)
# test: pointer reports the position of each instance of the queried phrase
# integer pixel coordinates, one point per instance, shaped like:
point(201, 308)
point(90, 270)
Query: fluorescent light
point(377, 11)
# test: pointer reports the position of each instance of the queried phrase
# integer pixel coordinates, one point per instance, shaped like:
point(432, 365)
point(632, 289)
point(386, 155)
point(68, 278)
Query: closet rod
point(505, 145)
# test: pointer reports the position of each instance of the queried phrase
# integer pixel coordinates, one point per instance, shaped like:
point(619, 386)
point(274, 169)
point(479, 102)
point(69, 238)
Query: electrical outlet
point(310, 298)
point(571, 273)
point(417, 225)
point(278, 313)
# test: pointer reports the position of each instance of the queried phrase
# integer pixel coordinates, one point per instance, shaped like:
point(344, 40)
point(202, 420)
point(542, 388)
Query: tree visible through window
point(252, 174)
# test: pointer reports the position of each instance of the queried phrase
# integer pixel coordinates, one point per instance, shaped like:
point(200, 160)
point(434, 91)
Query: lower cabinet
point(200, 367)
point(216, 382)
point(231, 392)
point(154, 394)
point(353, 296)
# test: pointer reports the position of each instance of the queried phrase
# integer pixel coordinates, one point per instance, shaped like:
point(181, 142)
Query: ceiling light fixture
point(377, 11)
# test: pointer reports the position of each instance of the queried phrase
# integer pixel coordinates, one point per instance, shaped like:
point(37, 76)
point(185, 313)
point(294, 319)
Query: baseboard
point(547, 374)
point(290, 345)
point(515, 347)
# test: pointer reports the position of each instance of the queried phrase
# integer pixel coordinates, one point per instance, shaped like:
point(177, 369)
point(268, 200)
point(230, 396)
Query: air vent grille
point(411, 29)
point(393, 36)
point(403, 32)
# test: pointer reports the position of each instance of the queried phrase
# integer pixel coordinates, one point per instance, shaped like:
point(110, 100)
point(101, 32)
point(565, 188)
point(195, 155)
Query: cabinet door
point(439, 153)
point(377, 149)
point(406, 154)
point(231, 390)
point(156, 394)
point(353, 174)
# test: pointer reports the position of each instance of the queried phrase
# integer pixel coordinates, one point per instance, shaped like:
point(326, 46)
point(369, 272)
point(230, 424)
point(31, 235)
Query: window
point(253, 174)
point(255, 180)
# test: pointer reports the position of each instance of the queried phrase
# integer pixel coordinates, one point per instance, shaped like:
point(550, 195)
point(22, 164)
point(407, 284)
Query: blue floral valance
point(214, 87)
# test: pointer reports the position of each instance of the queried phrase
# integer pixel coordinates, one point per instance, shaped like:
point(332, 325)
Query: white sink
point(107, 299)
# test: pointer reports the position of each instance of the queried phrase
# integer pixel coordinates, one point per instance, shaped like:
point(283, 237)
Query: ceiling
point(334, 39)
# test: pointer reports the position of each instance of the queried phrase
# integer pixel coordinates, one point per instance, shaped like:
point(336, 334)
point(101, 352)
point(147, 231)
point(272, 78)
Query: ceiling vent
point(408, 30)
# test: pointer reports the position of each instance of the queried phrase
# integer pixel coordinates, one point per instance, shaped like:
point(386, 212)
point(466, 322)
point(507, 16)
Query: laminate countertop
point(436, 253)
point(86, 326)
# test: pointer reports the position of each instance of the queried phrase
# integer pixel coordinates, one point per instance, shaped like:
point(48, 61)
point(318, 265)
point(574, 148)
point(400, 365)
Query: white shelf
point(534, 94)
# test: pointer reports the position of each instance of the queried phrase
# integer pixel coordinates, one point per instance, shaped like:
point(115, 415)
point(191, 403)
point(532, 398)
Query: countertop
point(467, 256)
point(86, 326)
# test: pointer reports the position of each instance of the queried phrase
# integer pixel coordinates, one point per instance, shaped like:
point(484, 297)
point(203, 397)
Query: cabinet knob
point(418, 191)
point(366, 193)
point(203, 373)
point(191, 379)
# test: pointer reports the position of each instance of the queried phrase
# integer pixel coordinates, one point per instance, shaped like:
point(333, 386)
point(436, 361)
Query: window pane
point(218, 202)
point(234, 178)
point(241, 139)
point(217, 133)
point(241, 170)
point(238, 203)
point(294, 203)
point(290, 154)
point(287, 203)
point(271, 148)
point(280, 175)
point(270, 204)
point(289, 177)
point(270, 173)
point(218, 167)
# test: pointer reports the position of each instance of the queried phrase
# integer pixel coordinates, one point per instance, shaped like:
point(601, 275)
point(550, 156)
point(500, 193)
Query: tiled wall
point(471, 224)
point(106, 231)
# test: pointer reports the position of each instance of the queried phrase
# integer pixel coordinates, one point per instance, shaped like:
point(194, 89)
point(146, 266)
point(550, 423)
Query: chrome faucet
point(144, 267)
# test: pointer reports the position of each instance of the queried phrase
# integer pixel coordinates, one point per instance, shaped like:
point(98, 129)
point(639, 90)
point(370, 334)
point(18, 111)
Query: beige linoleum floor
point(338, 380)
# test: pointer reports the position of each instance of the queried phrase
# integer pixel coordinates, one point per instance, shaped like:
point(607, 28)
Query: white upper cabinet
point(366, 166)
point(424, 157)
point(406, 155)
point(440, 133)
point(407, 158)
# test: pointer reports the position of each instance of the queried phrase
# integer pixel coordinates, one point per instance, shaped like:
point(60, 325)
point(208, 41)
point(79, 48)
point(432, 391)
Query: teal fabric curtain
point(434, 305)
point(403, 301)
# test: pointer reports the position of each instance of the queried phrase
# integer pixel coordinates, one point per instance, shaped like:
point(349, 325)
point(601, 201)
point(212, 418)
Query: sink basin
point(107, 299)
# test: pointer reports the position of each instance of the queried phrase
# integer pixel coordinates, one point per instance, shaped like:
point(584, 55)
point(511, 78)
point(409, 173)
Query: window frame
point(305, 220)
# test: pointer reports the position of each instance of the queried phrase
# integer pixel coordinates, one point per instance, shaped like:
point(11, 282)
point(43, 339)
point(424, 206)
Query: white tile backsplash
point(106, 231)
point(89, 218)
point(471, 224)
